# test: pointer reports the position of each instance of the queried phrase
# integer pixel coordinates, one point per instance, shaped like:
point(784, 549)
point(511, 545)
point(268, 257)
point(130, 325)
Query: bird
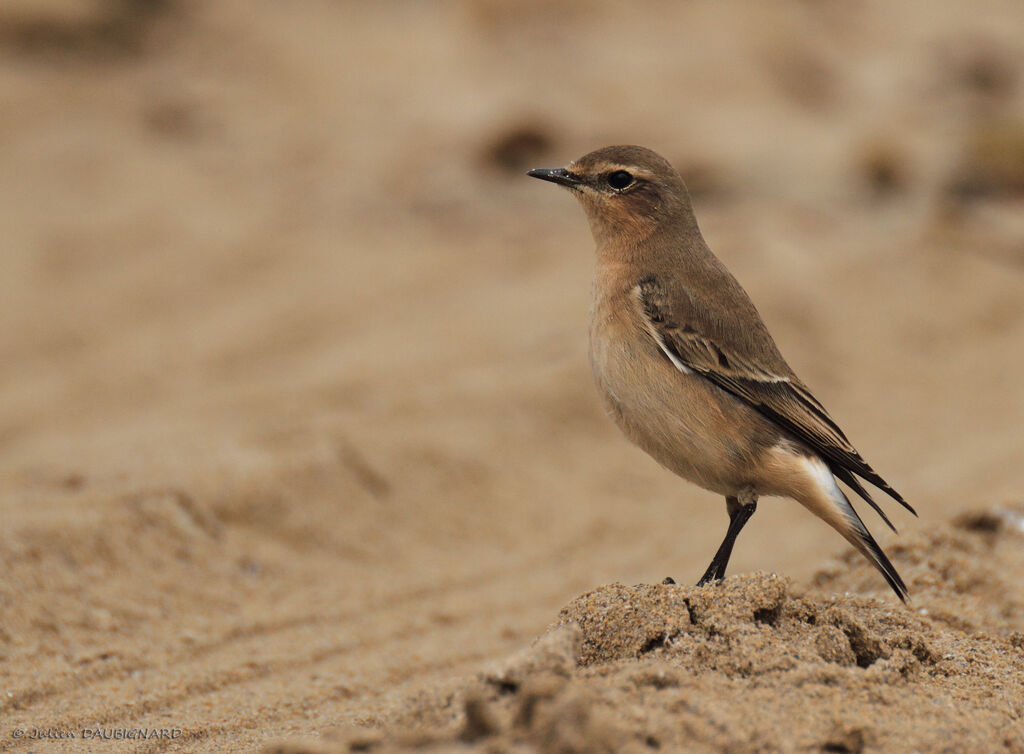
point(688, 370)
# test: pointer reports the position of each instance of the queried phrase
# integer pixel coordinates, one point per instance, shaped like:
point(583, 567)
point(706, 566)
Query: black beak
point(560, 176)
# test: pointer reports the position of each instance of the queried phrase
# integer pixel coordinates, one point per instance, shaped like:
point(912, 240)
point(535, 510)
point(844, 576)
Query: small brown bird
point(688, 370)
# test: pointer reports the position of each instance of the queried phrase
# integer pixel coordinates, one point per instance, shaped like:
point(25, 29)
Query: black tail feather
point(885, 566)
point(870, 475)
point(854, 484)
point(871, 550)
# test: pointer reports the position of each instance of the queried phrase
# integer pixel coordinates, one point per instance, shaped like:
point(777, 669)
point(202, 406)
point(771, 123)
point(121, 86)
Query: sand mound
point(758, 664)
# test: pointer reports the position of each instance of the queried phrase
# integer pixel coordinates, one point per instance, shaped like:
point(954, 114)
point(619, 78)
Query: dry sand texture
point(296, 429)
point(755, 665)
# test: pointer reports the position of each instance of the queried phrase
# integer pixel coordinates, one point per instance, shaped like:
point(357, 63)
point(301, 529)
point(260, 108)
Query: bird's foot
point(710, 577)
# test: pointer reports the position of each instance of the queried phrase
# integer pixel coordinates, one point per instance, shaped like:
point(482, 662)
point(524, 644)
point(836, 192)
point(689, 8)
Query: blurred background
point(295, 411)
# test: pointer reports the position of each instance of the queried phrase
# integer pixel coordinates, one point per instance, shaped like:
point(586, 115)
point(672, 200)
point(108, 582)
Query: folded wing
point(776, 393)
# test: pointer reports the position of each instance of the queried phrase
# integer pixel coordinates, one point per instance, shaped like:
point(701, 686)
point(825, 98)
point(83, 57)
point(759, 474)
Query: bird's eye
point(619, 180)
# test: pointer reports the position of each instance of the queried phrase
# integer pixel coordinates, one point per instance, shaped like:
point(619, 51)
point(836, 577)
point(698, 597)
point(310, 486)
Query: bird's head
point(625, 191)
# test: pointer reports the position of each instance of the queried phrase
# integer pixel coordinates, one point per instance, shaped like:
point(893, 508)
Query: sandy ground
point(296, 427)
point(756, 665)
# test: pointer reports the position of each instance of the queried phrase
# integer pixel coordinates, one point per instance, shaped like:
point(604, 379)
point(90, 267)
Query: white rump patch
point(819, 471)
point(823, 477)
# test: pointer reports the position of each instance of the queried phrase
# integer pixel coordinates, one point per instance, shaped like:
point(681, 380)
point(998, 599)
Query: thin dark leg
point(738, 517)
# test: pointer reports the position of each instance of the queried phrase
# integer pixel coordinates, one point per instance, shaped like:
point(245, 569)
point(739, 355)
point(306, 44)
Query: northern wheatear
point(688, 370)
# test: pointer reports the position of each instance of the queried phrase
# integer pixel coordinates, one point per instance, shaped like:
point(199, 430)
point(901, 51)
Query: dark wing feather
point(777, 394)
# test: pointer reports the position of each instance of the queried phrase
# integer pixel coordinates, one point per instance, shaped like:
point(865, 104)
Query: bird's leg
point(739, 514)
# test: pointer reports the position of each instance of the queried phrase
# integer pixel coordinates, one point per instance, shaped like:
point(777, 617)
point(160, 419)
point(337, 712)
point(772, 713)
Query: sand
point(297, 434)
point(756, 663)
